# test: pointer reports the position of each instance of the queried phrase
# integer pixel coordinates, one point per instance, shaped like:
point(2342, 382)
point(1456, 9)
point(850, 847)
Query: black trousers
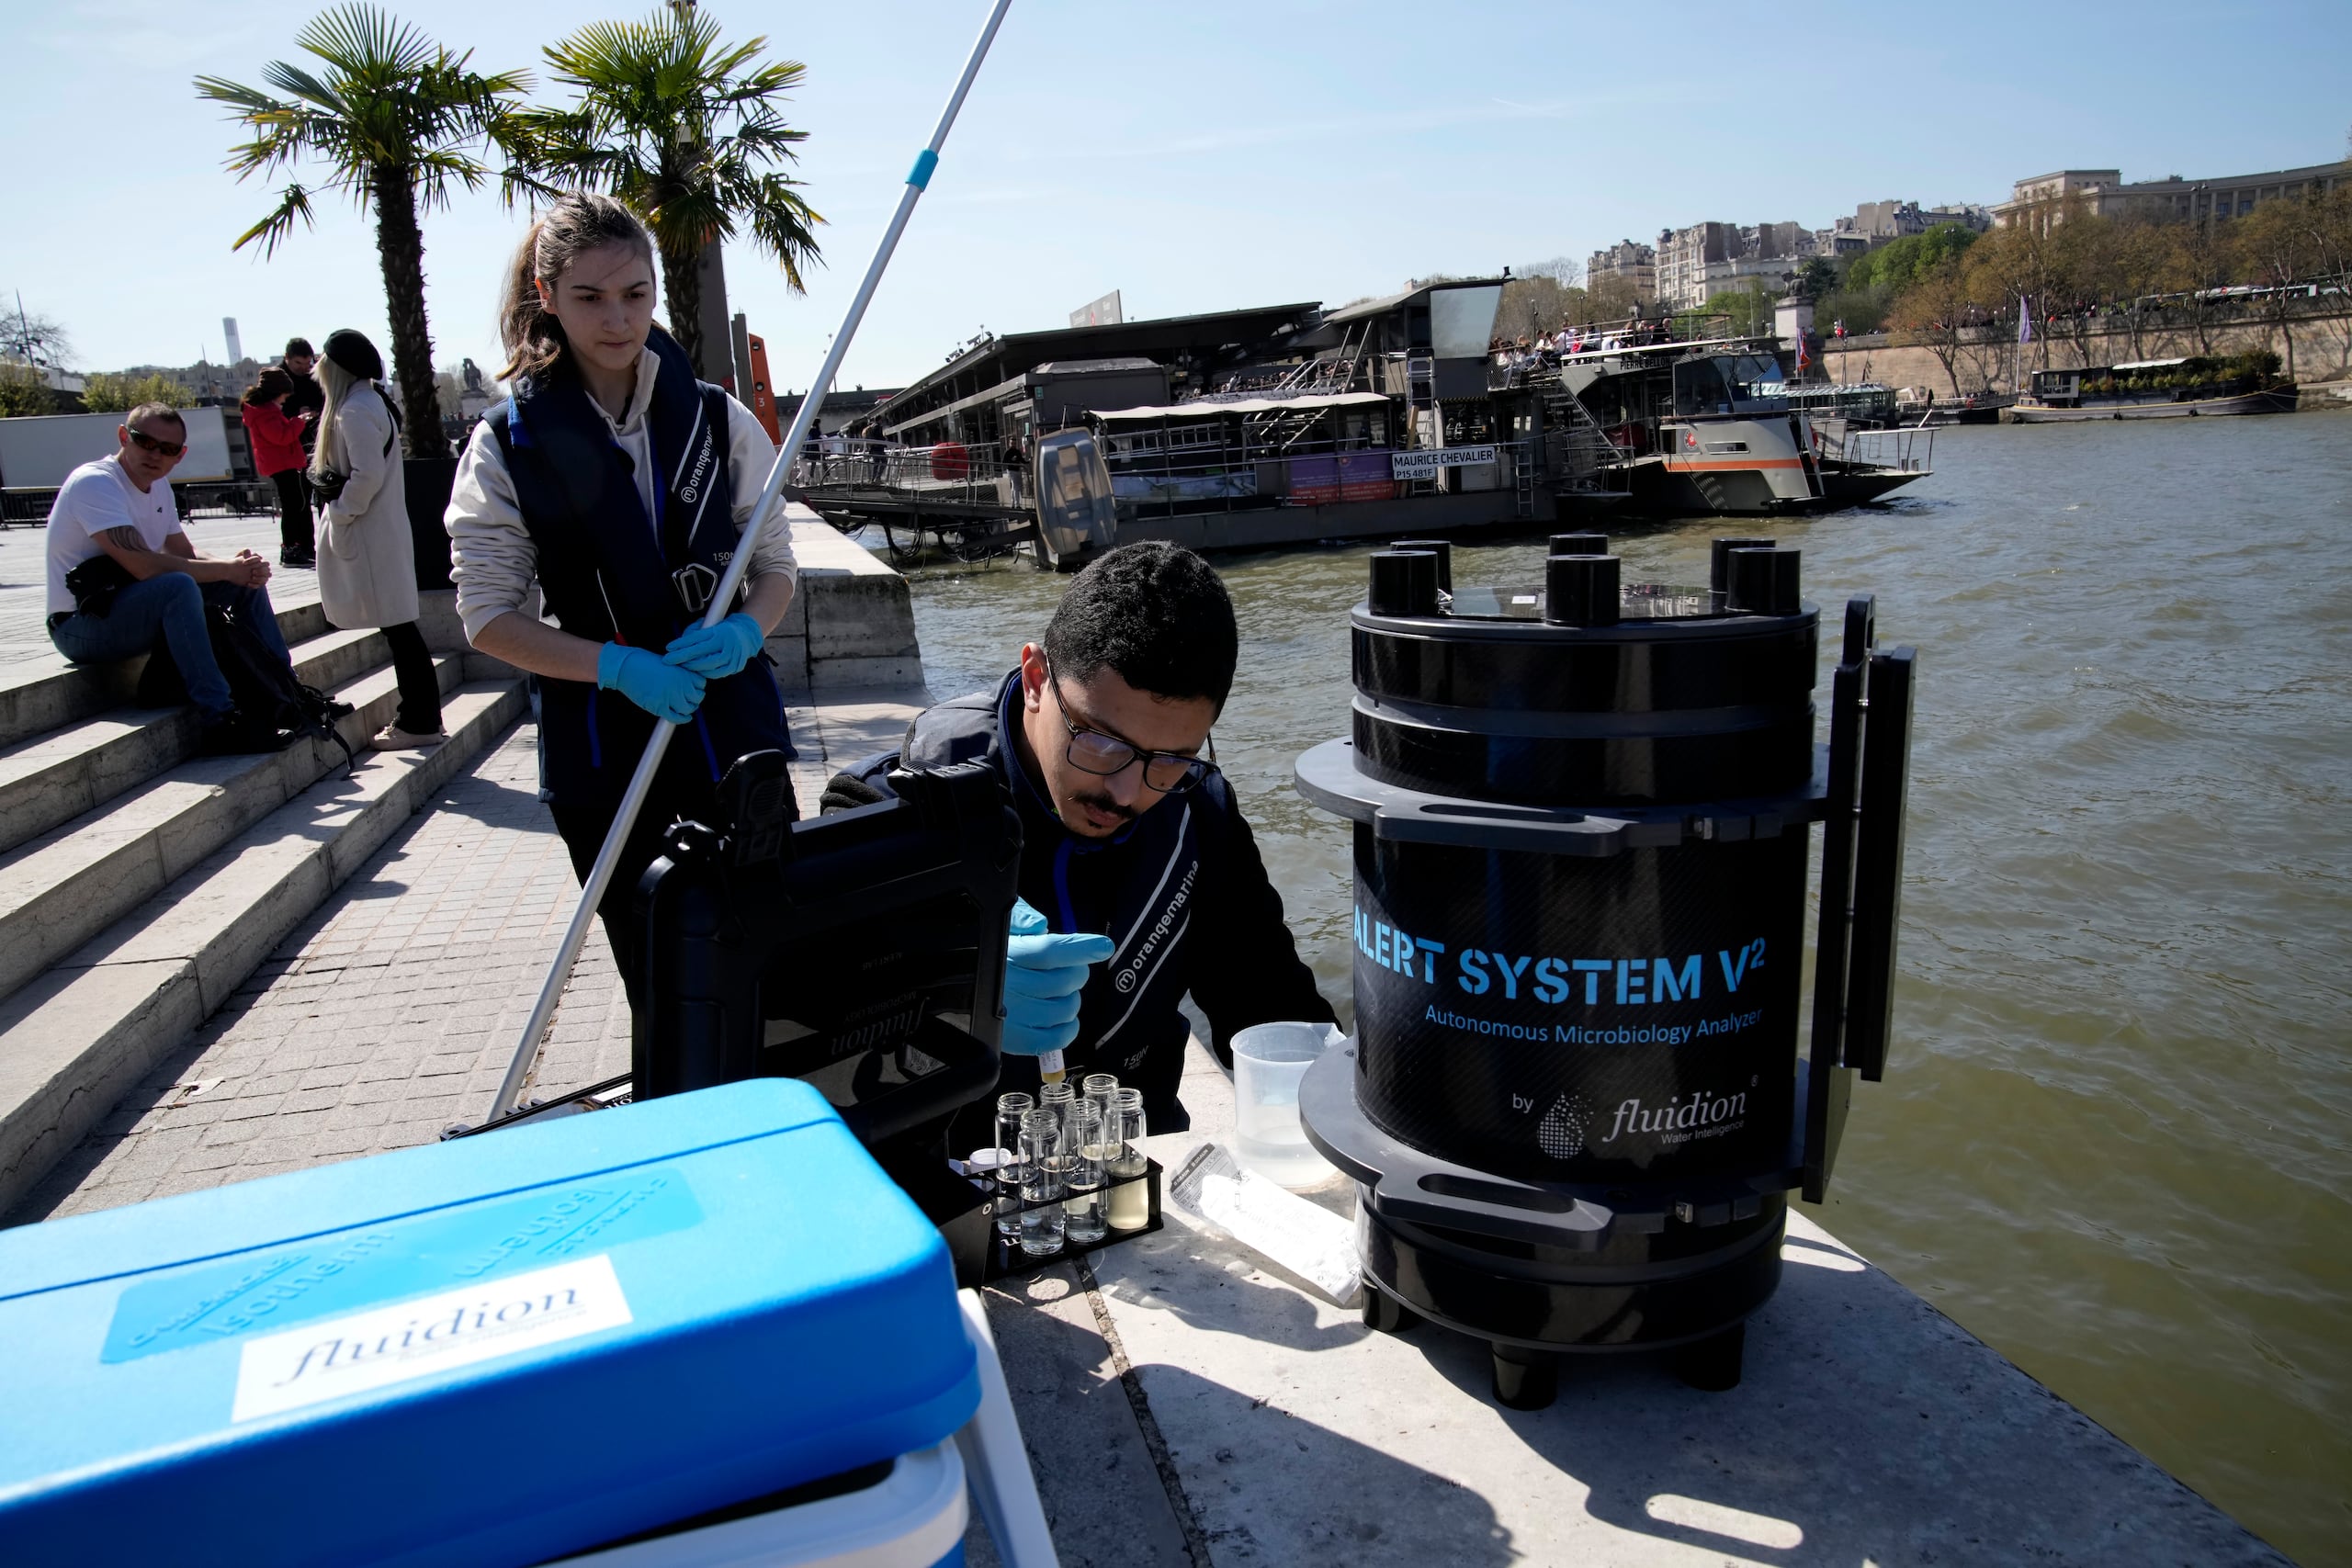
point(419, 709)
point(297, 530)
point(584, 830)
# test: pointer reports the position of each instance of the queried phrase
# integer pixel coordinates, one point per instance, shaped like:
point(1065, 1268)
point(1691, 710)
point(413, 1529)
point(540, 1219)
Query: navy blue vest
point(612, 574)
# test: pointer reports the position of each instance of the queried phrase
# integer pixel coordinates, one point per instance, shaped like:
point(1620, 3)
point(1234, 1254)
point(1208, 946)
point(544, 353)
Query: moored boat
point(2197, 386)
point(1707, 427)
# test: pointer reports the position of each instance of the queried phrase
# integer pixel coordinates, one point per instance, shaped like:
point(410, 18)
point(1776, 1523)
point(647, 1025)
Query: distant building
point(1880, 221)
point(1741, 274)
point(1683, 257)
point(211, 383)
point(1635, 264)
point(2044, 200)
point(1967, 214)
point(1840, 239)
point(841, 408)
point(1710, 258)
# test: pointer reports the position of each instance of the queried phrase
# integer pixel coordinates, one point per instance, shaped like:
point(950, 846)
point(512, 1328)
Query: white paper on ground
point(1311, 1242)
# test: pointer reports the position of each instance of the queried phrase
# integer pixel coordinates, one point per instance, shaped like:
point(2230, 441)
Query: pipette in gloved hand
point(1044, 972)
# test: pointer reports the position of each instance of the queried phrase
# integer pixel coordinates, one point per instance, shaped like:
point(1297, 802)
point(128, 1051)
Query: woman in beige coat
point(367, 564)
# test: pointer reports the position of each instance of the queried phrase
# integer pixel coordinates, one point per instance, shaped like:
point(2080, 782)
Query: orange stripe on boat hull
point(1681, 465)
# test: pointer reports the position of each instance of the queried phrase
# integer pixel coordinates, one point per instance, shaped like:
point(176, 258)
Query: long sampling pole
point(600, 876)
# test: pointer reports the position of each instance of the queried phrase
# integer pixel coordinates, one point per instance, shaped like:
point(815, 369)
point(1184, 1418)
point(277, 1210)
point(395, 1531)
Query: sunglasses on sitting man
point(156, 443)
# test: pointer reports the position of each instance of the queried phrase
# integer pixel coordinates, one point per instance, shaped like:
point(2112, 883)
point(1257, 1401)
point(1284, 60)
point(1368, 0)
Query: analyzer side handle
point(1878, 862)
point(1830, 1084)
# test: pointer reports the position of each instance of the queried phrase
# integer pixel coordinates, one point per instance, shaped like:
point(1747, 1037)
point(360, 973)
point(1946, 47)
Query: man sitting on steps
point(121, 507)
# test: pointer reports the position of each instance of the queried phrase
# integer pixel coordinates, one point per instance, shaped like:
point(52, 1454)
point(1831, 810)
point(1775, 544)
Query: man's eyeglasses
point(1090, 750)
point(147, 443)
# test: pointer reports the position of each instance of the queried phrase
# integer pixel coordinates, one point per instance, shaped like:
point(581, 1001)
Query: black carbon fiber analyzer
point(1575, 1105)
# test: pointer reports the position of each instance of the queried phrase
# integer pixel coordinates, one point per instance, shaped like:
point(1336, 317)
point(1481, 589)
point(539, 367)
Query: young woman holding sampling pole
point(602, 873)
point(621, 484)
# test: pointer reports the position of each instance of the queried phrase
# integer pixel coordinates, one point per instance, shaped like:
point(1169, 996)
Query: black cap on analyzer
point(1442, 548)
point(1404, 582)
point(1763, 581)
point(1581, 591)
point(1719, 565)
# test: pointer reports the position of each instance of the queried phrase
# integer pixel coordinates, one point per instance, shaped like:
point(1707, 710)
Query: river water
point(2116, 1138)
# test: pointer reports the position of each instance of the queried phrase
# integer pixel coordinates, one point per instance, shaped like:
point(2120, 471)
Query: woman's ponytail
point(579, 221)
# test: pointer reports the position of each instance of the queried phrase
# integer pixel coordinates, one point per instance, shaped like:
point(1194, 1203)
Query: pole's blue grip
point(920, 176)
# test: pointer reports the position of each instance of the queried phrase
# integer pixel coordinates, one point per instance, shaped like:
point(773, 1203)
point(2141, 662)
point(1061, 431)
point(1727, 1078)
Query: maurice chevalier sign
point(1424, 465)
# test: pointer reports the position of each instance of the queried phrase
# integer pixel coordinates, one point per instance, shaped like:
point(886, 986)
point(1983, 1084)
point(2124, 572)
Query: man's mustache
point(1105, 804)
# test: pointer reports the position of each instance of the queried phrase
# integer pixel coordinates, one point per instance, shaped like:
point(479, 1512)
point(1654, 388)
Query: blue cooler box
point(499, 1349)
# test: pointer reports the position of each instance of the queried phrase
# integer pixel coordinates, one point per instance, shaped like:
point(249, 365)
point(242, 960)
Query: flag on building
point(1804, 356)
point(2025, 320)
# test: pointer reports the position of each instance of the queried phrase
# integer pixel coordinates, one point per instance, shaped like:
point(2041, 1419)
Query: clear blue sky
point(1198, 156)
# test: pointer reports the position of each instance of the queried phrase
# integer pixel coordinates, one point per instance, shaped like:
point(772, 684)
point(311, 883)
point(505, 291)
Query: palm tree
point(396, 118)
point(684, 129)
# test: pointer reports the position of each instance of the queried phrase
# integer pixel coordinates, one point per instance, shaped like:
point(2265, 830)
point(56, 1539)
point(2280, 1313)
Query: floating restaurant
point(1386, 417)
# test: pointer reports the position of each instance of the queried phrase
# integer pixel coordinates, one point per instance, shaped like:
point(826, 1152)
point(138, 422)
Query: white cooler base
point(915, 1519)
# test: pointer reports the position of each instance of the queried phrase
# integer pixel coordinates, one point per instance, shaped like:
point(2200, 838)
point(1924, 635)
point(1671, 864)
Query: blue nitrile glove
point(715, 651)
point(1044, 972)
point(663, 690)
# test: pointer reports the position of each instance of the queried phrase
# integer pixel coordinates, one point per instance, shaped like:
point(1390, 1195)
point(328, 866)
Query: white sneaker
point(392, 737)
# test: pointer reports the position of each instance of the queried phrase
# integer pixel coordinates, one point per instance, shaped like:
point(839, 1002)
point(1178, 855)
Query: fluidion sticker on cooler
point(433, 1333)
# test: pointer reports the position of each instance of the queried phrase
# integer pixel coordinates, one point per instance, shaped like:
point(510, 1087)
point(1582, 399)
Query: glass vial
point(1010, 1174)
point(1125, 1169)
point(1046, 1182)
point(1098, 1090)
point(1086, 1154)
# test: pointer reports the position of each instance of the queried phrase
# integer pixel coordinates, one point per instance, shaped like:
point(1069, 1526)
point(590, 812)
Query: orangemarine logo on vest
point(702, 468)
point(1124, 981)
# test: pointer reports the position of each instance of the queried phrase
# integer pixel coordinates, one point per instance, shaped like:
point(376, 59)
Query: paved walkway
point(388, 1015)
point(393, 1010)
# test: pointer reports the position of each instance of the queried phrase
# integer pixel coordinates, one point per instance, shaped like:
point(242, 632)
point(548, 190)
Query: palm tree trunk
point(400, 246)
point(682, 287)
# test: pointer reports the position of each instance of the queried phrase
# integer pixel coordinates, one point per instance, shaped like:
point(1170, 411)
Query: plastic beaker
point(1268, 1061)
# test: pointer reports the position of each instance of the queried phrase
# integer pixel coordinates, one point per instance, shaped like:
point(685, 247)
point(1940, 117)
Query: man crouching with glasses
point(121, 508)
point(1139, 880)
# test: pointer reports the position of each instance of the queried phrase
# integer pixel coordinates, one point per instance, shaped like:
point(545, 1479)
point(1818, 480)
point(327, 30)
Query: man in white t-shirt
point(122, 506)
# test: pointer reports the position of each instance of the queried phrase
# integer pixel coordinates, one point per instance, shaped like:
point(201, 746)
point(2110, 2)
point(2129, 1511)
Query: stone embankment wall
point(2323, 345)
point(851, 628)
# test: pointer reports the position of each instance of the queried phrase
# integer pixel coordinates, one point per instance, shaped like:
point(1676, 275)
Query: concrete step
point(63, 887)
point(56, 777)
point(80, 1036)
point(38, 696)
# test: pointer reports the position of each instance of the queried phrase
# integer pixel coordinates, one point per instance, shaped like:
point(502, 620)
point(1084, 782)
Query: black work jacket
point(1181, 890)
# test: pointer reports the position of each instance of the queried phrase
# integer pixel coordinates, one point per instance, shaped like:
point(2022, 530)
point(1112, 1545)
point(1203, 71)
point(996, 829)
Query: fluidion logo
point(416, 1338)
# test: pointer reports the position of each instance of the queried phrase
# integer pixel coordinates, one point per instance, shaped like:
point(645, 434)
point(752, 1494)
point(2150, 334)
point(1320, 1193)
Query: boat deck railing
point(1228, 467)
point(910, 474)
point(1909, 448)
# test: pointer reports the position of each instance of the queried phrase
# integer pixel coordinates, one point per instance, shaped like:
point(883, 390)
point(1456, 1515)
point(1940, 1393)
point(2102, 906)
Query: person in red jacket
point(277, 440)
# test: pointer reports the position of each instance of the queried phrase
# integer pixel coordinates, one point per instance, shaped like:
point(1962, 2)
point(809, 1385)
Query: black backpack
point(274, 708)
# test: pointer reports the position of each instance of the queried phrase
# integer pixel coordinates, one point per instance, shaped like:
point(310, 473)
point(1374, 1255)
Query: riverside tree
point(689, 131)
point(396, 119)
point(109, 393)
point(1936, 313)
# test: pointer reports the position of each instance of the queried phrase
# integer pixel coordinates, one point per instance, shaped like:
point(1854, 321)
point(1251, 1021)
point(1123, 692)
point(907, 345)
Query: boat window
point(1756, 378)
point(1728, 383)
point(1699, 388)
